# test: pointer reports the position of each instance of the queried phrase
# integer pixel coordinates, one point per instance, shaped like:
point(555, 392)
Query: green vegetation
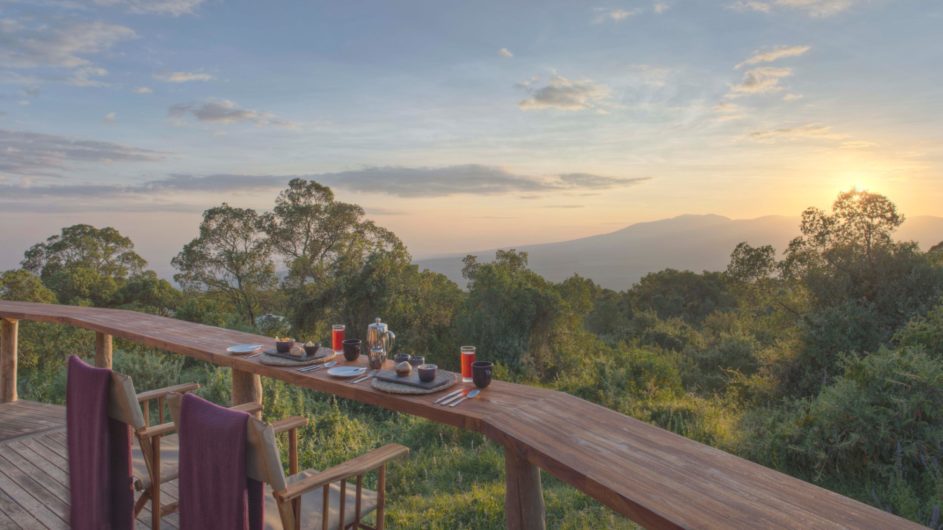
point(825, 362)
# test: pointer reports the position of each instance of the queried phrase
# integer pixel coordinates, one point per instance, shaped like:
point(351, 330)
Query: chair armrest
point(291, 422)
point(162, 392)
point(249, 408)
point(158, 430)
point(351, 468)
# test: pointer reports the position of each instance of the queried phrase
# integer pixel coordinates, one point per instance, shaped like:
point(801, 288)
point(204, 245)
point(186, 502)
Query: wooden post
point(524, 496)
point(102, 350)
point(8, 342)
point(246, 387)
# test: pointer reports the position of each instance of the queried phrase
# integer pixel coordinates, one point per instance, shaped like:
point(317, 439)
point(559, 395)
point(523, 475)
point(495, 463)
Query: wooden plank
point(650, 475)
point(14, 512)
point(8, 340)
point(524, 498)
point(38, 508)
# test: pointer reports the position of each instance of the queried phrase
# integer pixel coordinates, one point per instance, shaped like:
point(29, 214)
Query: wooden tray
point(320, 354)
point(278, 360)
point(396, 388)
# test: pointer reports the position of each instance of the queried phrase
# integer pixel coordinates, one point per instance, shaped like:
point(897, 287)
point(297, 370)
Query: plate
point(242, 349)
point(345, 372)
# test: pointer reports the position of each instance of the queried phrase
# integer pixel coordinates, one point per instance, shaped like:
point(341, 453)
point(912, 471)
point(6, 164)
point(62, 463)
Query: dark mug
point(351, 349)
point(417, 360)
point(427, 372)
point(481, 373)
point(401, 357)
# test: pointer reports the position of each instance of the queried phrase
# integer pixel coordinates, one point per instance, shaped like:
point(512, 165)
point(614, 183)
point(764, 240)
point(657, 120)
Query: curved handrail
point(655, 477)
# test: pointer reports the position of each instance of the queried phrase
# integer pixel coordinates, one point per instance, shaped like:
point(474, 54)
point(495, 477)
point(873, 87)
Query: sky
point(461, 125)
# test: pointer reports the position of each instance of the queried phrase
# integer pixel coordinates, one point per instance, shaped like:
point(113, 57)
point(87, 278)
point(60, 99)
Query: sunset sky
point(461, 125)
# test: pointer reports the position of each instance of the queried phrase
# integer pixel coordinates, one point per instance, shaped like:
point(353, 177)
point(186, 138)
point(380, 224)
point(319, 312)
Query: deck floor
point(34, 472)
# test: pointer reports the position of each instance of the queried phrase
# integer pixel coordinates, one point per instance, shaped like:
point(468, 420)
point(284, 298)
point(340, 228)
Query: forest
point(823, 360)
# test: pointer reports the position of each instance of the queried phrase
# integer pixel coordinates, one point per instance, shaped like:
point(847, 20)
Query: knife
point(470, 395)
point(452, 399)
point(449, 396)
point(364, 378)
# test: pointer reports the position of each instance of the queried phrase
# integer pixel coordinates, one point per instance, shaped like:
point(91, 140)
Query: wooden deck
point(34, 471)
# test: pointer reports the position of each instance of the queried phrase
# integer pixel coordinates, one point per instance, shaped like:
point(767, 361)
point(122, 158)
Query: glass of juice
point(468, 357)
point(337, 338)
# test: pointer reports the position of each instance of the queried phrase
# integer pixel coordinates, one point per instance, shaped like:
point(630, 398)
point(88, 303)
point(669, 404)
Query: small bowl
point(417, 360)
point(427, 372)
point(403, 369)
point(284, 346)
point(312, 350)
point(401, 358)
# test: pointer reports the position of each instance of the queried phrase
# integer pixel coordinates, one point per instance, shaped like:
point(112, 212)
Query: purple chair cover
point(215, 492)
point(100, 479)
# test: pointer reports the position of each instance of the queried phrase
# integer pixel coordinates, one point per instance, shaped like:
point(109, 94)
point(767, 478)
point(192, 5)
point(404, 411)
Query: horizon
point(462, 127)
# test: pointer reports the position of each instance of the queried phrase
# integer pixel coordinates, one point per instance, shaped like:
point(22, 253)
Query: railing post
point(8, 345)
point(523, 496)
point(246, 387)
point(103, 349)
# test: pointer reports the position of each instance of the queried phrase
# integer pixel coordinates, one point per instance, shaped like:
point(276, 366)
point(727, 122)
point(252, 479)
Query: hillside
point(689, 242)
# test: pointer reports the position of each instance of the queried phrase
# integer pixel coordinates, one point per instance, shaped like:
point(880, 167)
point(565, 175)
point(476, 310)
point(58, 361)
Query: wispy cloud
point(159, 7)
point(774, 54)
point(225, 111)
point(810, 132)
point(143, 90)
point(612, 15)
point(565, 94)
point(182, 77)
point(763, 80)
point(110, 118)
point(813, 8)
point(506, 53)
point(660, 7)
point(28, 154)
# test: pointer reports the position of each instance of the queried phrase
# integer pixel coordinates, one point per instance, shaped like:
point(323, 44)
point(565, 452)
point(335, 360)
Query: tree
point(231, 257)
point(84, 264)
point(339, 265)
point(24, 286)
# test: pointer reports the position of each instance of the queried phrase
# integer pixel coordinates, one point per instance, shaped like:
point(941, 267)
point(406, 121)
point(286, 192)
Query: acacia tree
point(339, 264)
point(84, 264)
point(231, 257)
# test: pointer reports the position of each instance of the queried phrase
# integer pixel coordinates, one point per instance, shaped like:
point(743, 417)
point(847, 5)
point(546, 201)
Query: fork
point(364, 378)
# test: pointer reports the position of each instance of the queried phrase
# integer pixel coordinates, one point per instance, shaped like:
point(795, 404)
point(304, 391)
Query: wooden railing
point(652, 476)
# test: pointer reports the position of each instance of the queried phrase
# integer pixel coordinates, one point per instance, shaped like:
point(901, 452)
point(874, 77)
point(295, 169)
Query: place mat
point(273, 360)
point(320, 354)
point(444, 379)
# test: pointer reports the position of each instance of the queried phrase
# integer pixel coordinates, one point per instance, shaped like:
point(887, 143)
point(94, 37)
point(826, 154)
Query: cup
point(284, 346)
point(481, 373)
point(352, 349)
point(417, 360)
point(376, 357)
point(427, 372)
point(468, 357)
point(337, 337)
point(401, 357)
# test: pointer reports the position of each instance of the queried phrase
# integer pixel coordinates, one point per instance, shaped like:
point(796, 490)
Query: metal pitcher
point(379, 335)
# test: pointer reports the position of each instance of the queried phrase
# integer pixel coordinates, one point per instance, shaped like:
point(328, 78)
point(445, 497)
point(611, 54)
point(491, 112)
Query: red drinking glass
point(337, 337)
point(468, 357)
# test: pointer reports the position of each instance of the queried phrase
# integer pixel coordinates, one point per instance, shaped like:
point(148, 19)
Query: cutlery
point(317, 367)
point(253, 355)
point(460, 395)
point(470, 395)
point(364, 378)
point(449, 396)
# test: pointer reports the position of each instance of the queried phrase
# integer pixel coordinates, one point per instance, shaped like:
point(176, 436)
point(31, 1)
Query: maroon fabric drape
point(215, 493)
point(100, 479)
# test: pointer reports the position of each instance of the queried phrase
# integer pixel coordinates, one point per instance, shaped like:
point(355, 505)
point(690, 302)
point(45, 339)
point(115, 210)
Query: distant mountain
point(690, 242)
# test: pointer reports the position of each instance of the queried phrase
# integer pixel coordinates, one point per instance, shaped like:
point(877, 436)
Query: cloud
point(34, 45)
point(182, 77)
point(110, 117)
point(504, 52)
point(612, 15)
point(792, 97)
point(727, 111)
point(143, 90)
point(811, 131)
point(774, 54)
point(156, 7)
point(660, 7)
point(813, 8)
point(762, 80)
point(28, 154)
point(226, 112)
point(566, 94)
point(84, 76)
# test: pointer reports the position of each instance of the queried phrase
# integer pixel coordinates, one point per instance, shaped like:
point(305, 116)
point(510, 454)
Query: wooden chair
point(127, 406)
point(303, 496)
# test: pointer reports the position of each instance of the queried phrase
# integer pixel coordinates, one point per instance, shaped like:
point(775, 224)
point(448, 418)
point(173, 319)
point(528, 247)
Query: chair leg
point(155, 483)
point(381, 495)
